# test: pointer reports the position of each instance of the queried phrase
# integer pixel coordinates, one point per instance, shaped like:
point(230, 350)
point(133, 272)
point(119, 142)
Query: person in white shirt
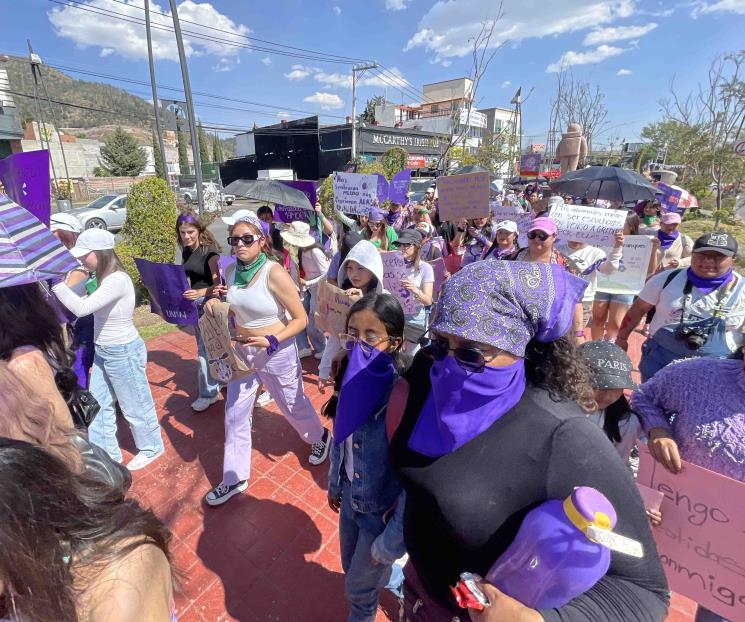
point(121, 357)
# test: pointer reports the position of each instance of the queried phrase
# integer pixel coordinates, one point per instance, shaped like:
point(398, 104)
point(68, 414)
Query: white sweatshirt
point(590, 260)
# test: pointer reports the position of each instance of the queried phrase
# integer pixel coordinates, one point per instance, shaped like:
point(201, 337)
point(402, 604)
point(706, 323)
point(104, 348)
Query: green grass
point(150, 325)
point(696, 227)
point(148, 332)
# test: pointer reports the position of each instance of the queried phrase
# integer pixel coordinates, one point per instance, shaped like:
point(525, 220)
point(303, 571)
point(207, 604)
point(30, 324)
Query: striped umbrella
point(28, 250)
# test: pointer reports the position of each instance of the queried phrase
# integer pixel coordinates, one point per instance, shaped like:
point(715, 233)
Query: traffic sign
point(740, 148)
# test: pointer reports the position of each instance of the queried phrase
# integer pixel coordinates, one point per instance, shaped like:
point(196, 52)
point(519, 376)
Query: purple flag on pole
point(382, 188)
point(399, 189)
point(222, 265)
point(167, 283)
point(26, 180)
point(286, 213)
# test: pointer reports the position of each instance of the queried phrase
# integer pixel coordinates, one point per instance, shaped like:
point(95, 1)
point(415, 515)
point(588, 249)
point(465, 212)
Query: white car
point(190, 195)
point(106, 212)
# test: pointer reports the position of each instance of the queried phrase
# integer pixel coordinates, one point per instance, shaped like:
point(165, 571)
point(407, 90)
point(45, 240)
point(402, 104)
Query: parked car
point(106, 212)
point(420, 184)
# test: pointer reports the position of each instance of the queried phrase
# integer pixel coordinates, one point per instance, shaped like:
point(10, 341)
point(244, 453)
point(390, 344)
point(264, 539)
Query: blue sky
point(632, 49)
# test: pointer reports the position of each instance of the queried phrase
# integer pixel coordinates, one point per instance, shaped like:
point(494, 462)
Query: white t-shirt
point(668, 304)
point(425, 274)
point(112, 306)
point(630, 430)
point(590, 260)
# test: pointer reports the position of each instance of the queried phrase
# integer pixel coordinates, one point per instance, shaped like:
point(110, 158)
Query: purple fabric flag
point(668, 198)
point(286, 213)
point(382, 188)
point(167, 283)
point(26, 180)
point(222, 265)
point(399, 189)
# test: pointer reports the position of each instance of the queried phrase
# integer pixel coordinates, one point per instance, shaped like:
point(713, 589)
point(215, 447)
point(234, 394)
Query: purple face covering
point(464, 403)
point(366, 386)
point(709, 285)
point(667, 239)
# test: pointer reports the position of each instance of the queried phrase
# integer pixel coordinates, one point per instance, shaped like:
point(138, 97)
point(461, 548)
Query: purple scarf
point(462, 404)
point(667, 239)
point(707, 286)
point(364, 390)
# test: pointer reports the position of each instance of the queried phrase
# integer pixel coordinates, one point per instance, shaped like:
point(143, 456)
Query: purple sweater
point(707, 398)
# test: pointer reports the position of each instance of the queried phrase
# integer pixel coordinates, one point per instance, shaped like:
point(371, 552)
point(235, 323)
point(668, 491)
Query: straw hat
point(298, 234)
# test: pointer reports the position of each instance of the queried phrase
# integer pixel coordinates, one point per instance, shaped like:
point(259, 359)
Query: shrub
point(394, 160)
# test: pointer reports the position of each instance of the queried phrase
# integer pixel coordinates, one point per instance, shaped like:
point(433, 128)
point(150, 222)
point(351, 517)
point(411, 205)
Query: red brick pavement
point(271, 554)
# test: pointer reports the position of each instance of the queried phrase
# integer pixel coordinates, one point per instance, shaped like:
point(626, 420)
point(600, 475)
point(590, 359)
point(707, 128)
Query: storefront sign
point(463, 196)
point(416, 162)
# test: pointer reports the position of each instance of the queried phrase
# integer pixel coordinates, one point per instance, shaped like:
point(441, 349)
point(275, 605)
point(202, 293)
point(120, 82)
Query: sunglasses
point(376, 224)
point(471, 359)
point(246, 239)
point(348, 342)
point(541, 235)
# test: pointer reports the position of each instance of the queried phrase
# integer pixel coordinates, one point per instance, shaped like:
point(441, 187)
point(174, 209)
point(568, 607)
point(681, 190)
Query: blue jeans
point(208, 387)
point(363, 578)
point(317, 339)
point(119, 374)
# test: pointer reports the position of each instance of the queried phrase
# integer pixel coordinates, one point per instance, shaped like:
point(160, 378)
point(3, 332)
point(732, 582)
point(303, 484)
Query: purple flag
point(382, 188)
point(222, 265)
point(26, 180)
point(399, 188)
point(167, 283)
point(668, 198)
point(286, 213)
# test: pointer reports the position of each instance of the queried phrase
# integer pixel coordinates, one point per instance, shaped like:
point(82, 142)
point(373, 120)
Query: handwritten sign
point(584, 223)
point(394, 272)
point(463, 196)
point(632, 272)
point(701, 541)
point(398, 189)
point(354, 193)
point(223, 361)
point(517, 215)
point(438, 267)
point(166, 284)
point(332, 308)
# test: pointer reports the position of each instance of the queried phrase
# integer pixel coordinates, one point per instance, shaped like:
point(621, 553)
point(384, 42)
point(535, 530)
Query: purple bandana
point(667, 239)
point(187, 218)
point(706, 286)
point(368, 375)
point(505, 304)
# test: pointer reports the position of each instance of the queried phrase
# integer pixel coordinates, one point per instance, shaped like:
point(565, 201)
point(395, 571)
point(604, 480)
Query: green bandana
point(244, 273)
point(648, 220)
point(91, 285)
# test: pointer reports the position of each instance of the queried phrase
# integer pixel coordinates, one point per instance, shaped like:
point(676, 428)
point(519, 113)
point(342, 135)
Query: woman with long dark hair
point(200, 253)
point(73, 548)
point(474, 237)
point(378, 231)
point(493, 425)
point(119, 367)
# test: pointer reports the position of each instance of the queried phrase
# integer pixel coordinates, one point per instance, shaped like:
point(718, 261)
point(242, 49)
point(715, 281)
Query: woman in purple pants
point(268, 314)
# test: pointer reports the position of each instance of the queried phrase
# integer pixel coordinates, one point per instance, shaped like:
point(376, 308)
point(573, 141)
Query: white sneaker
point(222, 493)
point(264, 399)
point(319, 450)
point(305, 353)
point(203, 403)
point(141, 460)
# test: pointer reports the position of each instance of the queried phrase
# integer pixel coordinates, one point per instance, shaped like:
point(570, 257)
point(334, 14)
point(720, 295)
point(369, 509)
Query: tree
point(217, 155)
point(204, 146)
point(183, 158)
point(121, 156)
point(580, 102)
point(160, 170)
point(368, 116)
point(394, 160)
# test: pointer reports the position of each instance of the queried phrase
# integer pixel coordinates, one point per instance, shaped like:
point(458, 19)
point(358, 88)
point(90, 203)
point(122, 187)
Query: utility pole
point(355, 69)
point(189, 106)
point(517, 129)
point(156, 103)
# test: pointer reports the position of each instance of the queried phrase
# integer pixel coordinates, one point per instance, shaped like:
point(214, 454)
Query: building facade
point(11, 130)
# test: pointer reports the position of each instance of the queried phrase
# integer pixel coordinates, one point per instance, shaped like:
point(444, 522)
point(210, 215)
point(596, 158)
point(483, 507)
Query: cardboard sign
point(224, 363)
point(166, 284)
point(332, 308)
point(394, 272)
point(463, 196)
point(438, 267)
point(701, 540)
point(355, 193)
point(584, 223)
point(632, 272)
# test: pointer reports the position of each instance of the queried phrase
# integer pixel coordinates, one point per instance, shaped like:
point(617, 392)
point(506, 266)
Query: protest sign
point(668, 197)
point(530, 163)
point(463, 196)
point(632, 272)
point(652, 499)
point(701, 540)
point(224, 363)
point(584, 223)
point(286, 213)
point(25, 177)
point(354, 193)
point(332, 307)
point(166, 283)
point(516, 214)
point(394, 272)
point(222, 265)
point(398, 190)
point(382, 190)
point(438, 267)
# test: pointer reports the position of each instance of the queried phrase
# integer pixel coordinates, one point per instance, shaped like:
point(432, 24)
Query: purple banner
point(382, 188)
point(222, 265)
point(26, 180)
point(285, 213)
point(167, 283)
point(399, 189)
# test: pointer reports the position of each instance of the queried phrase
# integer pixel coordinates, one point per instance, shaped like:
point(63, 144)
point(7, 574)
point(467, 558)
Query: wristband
point(273, 344)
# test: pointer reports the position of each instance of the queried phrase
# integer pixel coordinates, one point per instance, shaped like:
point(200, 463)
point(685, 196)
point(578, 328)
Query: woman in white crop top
point(121, 357)
point(268, 314)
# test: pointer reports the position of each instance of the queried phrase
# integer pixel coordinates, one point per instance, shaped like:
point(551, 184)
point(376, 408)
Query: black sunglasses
point(247, 239)
point(471, 359)
point(541, 235)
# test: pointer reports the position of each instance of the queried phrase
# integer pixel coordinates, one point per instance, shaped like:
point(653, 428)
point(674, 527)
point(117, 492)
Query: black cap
point(719, 242)
point(410, 236)
point(610, 365)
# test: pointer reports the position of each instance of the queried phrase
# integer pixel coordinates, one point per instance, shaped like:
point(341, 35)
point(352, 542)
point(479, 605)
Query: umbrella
point(675, 198)
point(473, 168)
point(605, 182)
point(269, 191)
point(28, 250)
point(522, 181)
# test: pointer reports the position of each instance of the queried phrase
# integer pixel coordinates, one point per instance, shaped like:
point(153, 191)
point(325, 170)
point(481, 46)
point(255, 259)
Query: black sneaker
point(319, 451)
point(222, 492)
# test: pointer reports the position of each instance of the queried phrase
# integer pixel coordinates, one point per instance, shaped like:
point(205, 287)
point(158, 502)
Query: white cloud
point(618, 33)
point(224, 64)
point(334, 79)
point(624, 72)
point(598, 55)
point(283, 115)
point(327, 101)
point(336, 10)
point(505, 84)
point(722, 6)
point(449, 25)
point(127, 38)
point(266, 60)
point(392, 78)
point(105, 52)
point(299, 72)
point(396, 5)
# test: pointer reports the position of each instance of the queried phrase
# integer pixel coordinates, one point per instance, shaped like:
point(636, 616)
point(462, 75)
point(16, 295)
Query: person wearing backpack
point(675, 247)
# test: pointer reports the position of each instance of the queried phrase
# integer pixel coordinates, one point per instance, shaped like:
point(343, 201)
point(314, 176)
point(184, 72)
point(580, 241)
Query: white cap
point(93, 240)
point(241, 214)
point(64, 222)
point(507, 225)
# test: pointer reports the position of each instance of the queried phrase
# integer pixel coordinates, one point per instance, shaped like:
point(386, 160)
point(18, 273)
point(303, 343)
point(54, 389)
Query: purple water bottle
point(552, 560)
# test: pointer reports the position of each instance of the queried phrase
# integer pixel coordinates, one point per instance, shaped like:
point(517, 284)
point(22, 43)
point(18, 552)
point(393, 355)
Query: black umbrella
point(473, 168)
point(524, 181)
point(605, 182)
point(269, 191)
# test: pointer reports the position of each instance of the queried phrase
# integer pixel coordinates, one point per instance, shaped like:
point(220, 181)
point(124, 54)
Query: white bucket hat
point(64, 222)
point(93, 240)
point(507, 225)
point(298, 234)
